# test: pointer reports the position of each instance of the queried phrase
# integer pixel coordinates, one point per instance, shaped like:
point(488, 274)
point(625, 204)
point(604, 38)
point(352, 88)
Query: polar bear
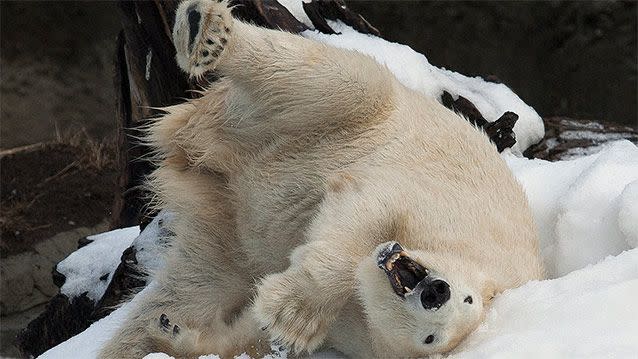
point(319, 203)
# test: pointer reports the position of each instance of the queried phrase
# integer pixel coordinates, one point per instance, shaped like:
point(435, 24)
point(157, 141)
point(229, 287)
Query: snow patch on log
point(90, 268)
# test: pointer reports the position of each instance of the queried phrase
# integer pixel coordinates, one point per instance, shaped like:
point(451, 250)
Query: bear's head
point(418, 303)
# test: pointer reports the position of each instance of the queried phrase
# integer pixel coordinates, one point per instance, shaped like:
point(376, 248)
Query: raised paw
point(202, 30)
point(289, 312)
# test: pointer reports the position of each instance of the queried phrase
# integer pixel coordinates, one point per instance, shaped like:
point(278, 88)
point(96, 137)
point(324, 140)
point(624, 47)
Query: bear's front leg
point(297, 307)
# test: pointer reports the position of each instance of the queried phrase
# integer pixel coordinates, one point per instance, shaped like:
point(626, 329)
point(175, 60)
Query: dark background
point(562, 57)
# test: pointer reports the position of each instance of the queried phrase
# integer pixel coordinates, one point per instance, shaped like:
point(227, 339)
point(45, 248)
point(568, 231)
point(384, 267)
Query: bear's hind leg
point(295, 85)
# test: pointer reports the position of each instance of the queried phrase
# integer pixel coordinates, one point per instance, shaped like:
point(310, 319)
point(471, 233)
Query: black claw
point(278, 342)
point(164, 322)
point(176, 330)
point(264, 328)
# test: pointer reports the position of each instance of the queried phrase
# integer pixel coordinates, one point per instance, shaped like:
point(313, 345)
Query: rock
point(17, 284)
point(26, 277)
point(11, 326)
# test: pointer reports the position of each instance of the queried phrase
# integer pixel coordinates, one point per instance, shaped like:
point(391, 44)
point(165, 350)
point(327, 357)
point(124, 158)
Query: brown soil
point(50, 188)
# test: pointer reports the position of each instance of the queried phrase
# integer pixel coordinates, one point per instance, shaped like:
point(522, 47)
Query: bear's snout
point(435, 294)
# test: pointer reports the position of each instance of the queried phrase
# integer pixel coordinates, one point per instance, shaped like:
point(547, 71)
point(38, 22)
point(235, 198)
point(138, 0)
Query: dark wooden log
point(500, 132)
point(146, 77)
point(62, 319)
point(267, 13)
point(566, 136)
point(321, 10)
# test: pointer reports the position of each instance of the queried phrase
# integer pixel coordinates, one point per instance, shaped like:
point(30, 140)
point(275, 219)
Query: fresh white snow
point(628, 214)
point(579, 205)
point(98, 259)
point(150, 244)
point(589, 313)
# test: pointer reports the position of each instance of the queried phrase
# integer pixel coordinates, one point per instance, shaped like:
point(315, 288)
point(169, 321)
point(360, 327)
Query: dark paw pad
point(194, 17)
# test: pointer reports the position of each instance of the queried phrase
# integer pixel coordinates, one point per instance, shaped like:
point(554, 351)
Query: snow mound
point(90, 268)
point(151, 244)
point(628, 214)
point(585, 314)
point(579, 205)
point(414, 71)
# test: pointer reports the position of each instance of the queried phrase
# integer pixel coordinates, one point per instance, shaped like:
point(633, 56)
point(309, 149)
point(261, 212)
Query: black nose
point(435, 294)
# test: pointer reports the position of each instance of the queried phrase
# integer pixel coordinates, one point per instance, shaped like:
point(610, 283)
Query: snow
point(90, 268)
point(581, 208)
point(628, 214)
point(414, 71)
point(589, 313)
point(151, 243)
point(84, 267)
point(295, 7)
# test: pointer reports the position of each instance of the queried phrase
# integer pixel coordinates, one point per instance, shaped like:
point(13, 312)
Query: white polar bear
point(320, 203)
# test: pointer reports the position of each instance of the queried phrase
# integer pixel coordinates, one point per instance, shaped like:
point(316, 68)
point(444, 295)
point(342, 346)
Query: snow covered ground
point(586, 210)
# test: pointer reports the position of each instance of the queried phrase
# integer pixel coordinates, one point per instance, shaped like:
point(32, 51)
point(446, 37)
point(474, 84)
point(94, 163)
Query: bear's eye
point(429, 339)
point(468, 299)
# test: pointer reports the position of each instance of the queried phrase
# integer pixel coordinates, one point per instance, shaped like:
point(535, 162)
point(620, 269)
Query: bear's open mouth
point(404, 273)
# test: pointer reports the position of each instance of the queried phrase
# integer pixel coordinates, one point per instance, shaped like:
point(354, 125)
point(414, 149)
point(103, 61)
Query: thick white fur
point(288, 173)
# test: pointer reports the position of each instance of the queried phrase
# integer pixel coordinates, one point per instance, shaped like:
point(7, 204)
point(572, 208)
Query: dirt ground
point(53, 188)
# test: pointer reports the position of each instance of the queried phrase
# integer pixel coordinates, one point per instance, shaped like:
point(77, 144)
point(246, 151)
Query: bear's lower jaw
point(403, 273)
